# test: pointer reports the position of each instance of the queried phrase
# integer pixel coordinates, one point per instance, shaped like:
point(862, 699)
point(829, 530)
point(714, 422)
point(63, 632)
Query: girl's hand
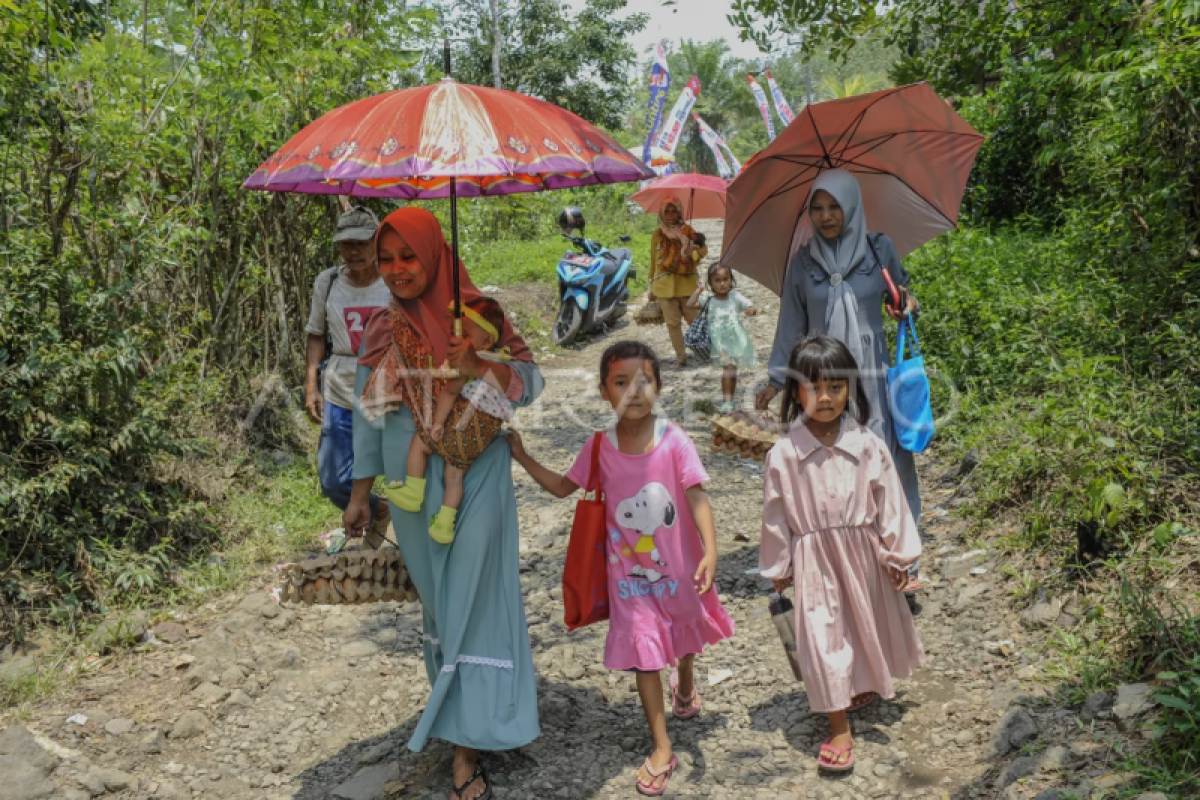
point(782, 584)
point(461, 356)
point(752, 312)
point(898, 577)
point(516, 445)
point(706, 573)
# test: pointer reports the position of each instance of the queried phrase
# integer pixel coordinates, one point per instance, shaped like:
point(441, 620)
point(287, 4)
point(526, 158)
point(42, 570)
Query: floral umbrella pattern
point(410, 143)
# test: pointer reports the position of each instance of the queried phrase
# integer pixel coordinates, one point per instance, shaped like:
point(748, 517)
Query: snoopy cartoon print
point(648, 511)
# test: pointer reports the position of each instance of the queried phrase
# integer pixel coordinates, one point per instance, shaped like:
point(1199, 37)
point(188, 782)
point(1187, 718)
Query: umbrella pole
point(458, 331)
point(458, 328)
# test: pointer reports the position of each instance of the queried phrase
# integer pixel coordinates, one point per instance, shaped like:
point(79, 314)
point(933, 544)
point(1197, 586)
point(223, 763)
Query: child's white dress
point(834, 518)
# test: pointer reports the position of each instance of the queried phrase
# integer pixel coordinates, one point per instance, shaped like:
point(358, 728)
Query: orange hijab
point(427, 314)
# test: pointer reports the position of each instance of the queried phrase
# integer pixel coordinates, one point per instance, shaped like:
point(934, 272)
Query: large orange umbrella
point(446, 140)
point(908, 148)
point(703, 196)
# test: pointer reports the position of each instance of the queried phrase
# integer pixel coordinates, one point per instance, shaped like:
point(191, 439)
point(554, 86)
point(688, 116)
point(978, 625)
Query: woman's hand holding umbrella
point(910, 308)
point(461, 355)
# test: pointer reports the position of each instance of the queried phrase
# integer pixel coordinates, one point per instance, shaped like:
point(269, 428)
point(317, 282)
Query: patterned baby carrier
point(417, 382)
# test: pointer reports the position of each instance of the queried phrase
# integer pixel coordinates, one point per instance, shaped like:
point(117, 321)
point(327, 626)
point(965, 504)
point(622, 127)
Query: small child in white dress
point(731, 344)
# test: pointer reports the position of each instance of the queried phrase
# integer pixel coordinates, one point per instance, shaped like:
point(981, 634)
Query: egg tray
point(348, 577)
point(745, 434)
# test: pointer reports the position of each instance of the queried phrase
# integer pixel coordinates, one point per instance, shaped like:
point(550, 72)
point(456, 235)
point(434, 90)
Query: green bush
point(82, 422)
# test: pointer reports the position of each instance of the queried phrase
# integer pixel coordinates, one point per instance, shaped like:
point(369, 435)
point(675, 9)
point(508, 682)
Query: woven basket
point(745, 434)
point(649, 314)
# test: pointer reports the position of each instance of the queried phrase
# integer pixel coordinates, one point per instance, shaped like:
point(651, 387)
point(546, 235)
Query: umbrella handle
point(899, 294)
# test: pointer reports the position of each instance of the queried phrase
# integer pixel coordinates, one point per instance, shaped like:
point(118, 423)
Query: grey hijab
point(840, 256)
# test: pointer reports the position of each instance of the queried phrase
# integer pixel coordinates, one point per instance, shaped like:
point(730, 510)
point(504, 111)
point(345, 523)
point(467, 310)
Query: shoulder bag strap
point(324, 303)
point(902, 333)
point(594, 483)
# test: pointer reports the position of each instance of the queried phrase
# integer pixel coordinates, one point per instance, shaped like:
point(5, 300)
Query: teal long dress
point(476, 640)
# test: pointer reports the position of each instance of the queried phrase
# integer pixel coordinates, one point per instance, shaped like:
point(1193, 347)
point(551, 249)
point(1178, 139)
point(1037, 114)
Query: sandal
point(478, 774)
point(861, 701)
point(679, 707)
point(825, 760)
point(913, 586)
point(648, 788)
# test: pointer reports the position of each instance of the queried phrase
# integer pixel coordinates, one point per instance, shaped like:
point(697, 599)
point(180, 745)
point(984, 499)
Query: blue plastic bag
point(908, 393)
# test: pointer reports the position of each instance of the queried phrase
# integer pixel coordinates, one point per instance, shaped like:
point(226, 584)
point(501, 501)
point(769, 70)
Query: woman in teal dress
point(476, 640)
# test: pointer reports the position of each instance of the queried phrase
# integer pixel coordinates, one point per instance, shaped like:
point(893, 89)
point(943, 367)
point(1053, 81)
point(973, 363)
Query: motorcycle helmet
point(569, 219)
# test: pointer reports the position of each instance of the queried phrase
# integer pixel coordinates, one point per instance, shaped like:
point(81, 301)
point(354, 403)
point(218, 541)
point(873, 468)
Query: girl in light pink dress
point(662, 546)
point(836, 524)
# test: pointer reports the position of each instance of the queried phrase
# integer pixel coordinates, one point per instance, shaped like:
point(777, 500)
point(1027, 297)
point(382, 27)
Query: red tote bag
point(585, 574)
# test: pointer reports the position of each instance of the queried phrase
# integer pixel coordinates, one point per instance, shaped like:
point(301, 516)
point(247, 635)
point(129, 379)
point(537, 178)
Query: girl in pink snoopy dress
point(663, 607)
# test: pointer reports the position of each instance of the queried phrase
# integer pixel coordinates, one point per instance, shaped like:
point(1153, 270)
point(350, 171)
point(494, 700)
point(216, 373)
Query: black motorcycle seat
point(613, 260)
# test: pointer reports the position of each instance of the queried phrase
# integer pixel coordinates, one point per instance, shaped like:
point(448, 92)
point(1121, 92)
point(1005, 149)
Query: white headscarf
point(838, 257)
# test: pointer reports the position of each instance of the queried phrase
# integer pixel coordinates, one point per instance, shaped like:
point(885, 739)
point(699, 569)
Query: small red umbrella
point(703, 196)
point(909, 150)
point(445, 140)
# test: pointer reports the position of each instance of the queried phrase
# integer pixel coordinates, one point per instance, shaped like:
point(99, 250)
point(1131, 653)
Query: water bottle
point(784, 617)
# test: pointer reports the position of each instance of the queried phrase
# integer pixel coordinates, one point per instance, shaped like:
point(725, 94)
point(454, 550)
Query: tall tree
point(578, 60)
point(496, 41)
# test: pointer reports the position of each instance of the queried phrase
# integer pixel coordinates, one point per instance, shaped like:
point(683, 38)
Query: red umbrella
point(703, 196)
point(445, 140)
point(908, 148)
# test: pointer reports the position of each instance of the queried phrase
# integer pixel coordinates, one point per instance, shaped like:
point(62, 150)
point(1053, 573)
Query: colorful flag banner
point(710, 138)
point(781, 105)
point(715, 143)
point(660, 85)
point(668, 140)
point(764, 108)
point(737, 165)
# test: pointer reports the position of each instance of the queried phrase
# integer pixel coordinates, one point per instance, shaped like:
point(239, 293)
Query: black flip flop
point(479, 772)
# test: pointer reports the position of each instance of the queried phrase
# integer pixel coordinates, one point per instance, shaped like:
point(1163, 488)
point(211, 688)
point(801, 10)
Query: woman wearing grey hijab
point(835, 286)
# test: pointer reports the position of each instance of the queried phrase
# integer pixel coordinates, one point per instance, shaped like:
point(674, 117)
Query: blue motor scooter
point(593, 283)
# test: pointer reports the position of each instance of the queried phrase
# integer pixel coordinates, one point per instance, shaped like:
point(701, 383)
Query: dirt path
point(268, 702)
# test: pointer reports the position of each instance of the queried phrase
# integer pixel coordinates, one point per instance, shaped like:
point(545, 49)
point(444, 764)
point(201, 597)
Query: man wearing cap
point(343, 298)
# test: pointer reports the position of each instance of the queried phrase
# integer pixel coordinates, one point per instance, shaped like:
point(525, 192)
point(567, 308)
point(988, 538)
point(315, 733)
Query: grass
point(18, 693)
point(278, 515)
point(509, 261)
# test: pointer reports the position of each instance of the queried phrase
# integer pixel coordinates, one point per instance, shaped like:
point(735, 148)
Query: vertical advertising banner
point(660, 84)
point(764, 107)
point(668, 140)
point(710, 138)
point(781, 105)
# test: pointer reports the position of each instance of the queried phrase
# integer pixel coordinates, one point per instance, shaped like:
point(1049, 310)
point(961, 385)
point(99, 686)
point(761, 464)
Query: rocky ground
point(248, 699)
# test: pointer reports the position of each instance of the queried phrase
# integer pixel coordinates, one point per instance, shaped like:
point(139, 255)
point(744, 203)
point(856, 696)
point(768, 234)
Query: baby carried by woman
point(457, 415)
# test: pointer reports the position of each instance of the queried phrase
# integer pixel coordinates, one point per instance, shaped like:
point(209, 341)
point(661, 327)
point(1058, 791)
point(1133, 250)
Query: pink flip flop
point(829, 752)
point(648, 788)
point(679, 708)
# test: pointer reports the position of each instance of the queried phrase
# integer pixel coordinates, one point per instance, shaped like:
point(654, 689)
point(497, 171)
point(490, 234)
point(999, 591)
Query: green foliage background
point(148, 305)
point(150, 309)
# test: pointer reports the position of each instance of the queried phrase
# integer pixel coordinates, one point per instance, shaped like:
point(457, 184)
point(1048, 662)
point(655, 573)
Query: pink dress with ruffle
point(656, 615)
